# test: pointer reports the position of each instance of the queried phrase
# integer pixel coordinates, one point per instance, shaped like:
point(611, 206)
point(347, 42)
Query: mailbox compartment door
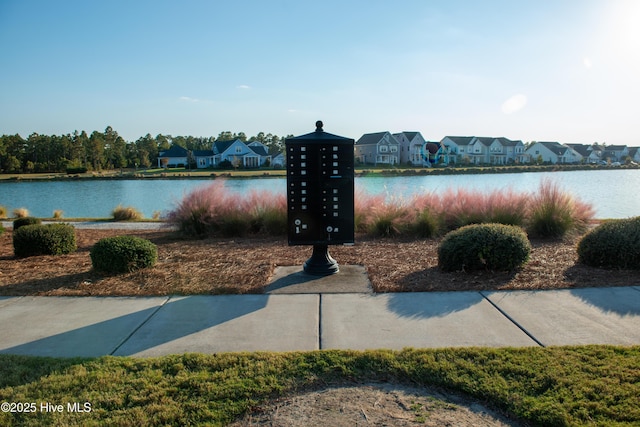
point(320, 194)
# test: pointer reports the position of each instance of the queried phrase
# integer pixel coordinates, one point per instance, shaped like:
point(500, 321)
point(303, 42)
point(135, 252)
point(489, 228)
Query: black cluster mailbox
point(320, 195)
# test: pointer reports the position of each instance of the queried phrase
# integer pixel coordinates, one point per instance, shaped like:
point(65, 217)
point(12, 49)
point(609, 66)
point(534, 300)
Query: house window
point(238, 149)
point(384, 149)
point(393, 149)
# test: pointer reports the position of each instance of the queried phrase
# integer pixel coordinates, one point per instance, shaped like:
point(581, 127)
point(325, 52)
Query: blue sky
point(564, 70)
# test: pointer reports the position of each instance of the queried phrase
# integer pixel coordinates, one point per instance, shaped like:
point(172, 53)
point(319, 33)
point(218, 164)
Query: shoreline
point(281, 173)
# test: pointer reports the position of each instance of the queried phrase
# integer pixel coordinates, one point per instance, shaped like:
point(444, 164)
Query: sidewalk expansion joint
point(319, 321)
point(128, 337)
point(512, 320)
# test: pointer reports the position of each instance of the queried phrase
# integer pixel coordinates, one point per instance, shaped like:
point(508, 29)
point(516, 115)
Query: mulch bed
point(245, 265)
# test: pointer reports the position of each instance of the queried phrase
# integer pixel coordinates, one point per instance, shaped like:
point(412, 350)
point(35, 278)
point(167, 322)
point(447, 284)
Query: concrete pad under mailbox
point(293, 280)
point(575, 316)
point(395, 321)
point(71, 326)
point(223, 323)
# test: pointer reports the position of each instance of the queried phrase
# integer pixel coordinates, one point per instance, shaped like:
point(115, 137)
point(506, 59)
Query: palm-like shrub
point(613, 244)
point(50, 239)
point(123, 254)
point(484, 247)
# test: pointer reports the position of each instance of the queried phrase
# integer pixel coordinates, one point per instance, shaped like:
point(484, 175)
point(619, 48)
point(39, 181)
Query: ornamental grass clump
point(214, 210)
point(613, 244)
point(122, 254)
point(50, 239)
point(128, 213)
point(484, 247)
point(554, 213)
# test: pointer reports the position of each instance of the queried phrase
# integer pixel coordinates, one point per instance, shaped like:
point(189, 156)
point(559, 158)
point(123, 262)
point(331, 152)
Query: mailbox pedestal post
point(320, 173)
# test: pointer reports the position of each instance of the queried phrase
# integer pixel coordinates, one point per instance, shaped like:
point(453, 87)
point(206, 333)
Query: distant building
point(379, 148)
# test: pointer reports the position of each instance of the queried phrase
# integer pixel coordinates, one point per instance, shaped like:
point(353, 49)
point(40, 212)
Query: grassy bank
point(363, 170)
point(562, 386)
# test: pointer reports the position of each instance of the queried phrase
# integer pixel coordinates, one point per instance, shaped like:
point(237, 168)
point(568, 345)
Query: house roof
point(371, 138)
point(460, 140)
point(583, 149)
point(410, 135)
point(222, 146)
point(555, 147)
point(506, 142)
point(487, 141)
point(174, 151)
point(203, 153)
point(259, 150)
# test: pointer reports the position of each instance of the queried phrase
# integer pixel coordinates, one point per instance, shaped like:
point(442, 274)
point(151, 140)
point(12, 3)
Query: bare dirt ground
point(215, 266)
point(374, 405)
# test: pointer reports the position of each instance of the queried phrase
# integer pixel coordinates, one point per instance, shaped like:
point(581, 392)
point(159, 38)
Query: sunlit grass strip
point(590, 385)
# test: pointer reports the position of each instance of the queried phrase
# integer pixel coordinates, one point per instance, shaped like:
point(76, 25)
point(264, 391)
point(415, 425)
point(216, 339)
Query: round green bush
point(123, 254)
point(27, 220)
point(38, 239)
point(613, 244)
point(484, 247)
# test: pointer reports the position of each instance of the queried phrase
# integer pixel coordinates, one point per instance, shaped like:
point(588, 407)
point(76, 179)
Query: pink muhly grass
point(461, 207)
point(214, 209)
point(553, 212)
point(506, 207)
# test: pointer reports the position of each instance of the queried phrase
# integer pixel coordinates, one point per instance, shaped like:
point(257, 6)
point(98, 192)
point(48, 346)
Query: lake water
point(613, 193)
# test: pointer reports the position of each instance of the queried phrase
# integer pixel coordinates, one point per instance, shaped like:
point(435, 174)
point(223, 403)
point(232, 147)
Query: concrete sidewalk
point(154, 326)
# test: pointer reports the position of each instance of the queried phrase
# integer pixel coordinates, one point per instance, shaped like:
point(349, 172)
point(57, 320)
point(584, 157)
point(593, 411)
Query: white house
point(552, 152)
point(238, 153)
point(377, 148)
point(503, 151)
point(484, 150)
point(458, 148)
point(174, 157)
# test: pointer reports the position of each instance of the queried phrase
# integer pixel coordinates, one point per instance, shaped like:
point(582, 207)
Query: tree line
point(103, 150)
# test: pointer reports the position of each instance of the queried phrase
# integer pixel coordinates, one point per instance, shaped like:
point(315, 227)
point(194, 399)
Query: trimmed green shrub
point(484, 247)
point(613, 244)
point(123, 254)
point(49, 239)
point(27, 220)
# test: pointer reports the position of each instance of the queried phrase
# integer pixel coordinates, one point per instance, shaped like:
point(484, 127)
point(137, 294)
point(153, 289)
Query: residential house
point(634, 154)
point(484, 150)
point(458, 148)
point(589, 153)
point(615, 153)
point(377, 148)
point(412, 148)
point(503, 151)
point(239, 154)
point(174, 157)
point(552, 152)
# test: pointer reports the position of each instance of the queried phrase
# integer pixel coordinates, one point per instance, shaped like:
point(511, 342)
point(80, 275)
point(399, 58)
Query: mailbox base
point(320, 263)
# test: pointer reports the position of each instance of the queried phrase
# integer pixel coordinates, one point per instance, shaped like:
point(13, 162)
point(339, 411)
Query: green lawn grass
point(557, 386)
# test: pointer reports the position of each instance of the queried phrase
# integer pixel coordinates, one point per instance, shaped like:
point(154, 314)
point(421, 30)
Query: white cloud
point(243, 87)
point(188, 99)
point(515, 103)
point(586, 61)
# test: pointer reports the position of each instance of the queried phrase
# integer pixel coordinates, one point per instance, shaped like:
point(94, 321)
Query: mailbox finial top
point(319, 125)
